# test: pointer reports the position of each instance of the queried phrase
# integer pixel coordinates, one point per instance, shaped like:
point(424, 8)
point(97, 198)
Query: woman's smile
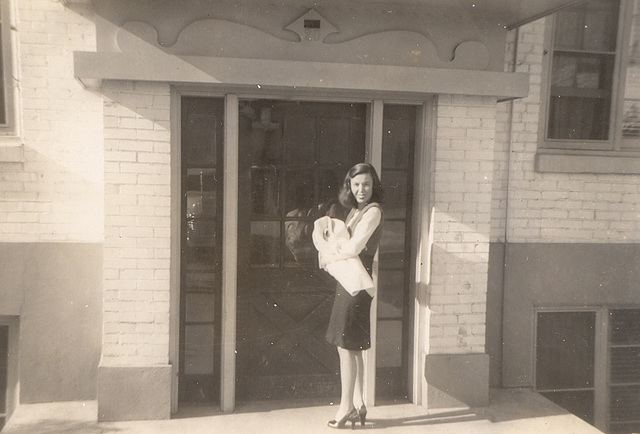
point(362, 188)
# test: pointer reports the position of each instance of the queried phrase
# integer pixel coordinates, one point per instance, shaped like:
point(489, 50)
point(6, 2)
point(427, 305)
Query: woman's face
point(362, 188)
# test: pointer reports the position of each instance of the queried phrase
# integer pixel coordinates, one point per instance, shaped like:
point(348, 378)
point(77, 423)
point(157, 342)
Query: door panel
point(200, 288)
point(293, 157)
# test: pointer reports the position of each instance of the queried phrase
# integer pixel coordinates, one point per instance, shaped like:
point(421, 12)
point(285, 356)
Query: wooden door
point(293, 158)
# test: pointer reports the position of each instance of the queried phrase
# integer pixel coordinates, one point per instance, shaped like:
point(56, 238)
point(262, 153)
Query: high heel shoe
point(362, 413)
point(349, 417)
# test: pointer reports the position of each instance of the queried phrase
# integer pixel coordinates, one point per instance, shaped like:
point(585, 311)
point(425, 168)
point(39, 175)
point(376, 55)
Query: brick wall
point(56, 193)
point(137, 224)
point(553, 207)
point(462, 200)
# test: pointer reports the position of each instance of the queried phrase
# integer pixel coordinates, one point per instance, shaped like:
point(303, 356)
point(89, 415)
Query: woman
point(349, 326)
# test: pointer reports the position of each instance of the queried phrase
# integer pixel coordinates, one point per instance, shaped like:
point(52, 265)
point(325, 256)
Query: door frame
point(418, 314)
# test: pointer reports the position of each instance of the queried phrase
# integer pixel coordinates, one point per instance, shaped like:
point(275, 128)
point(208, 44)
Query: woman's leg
point(348, 374)
point(358, 392)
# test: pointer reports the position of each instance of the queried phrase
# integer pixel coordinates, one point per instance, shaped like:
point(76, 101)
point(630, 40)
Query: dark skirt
point(349, 325)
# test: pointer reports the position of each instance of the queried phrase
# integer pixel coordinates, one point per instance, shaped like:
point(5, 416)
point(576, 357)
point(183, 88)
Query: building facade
point(162, 165)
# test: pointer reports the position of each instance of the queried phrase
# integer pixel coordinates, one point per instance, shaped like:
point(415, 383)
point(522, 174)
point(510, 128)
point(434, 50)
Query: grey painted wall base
point(134, 393)
point(455, 380)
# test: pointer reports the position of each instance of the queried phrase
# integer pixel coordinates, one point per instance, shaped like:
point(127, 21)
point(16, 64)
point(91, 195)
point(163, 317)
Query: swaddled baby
point(328, 234)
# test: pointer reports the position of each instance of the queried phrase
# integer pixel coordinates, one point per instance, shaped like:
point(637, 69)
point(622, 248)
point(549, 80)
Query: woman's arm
point(364, 229)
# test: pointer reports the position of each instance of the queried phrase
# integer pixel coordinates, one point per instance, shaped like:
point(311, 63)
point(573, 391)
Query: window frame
point(8, 65)
point(613, 155)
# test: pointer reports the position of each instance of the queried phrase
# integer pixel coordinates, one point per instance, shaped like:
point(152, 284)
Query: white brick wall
point(552, 207)
point(137, 224)
point(462, 199)
point(56, 194)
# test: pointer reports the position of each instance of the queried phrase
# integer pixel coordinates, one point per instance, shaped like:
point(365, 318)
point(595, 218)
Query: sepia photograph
point(299, 216)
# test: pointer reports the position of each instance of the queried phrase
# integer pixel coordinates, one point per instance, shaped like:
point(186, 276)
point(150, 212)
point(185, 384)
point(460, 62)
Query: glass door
point(293, 159)
point(201, 249)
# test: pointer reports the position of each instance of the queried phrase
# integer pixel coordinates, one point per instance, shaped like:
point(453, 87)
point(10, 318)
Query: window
point(7, 122)
point(624, 370)
point(592, 55)
point(565, 359)
point(4, 358)
point(589, 363)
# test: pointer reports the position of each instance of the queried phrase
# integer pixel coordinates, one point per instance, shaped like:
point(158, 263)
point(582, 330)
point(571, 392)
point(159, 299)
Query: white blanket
point(349, 272)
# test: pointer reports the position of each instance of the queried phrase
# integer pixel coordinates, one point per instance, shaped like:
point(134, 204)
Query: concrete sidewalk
point(510, 411)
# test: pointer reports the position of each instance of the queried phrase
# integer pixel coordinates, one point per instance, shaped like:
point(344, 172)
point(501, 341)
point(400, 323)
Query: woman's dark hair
point(346, 196)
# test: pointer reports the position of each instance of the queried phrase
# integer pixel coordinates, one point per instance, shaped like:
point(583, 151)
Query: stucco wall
point(54, 288)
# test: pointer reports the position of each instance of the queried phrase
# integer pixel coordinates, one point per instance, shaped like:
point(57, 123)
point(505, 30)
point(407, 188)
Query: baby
point(328, 235)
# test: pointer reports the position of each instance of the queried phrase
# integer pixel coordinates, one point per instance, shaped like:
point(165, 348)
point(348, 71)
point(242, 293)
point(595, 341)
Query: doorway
point(293, 158)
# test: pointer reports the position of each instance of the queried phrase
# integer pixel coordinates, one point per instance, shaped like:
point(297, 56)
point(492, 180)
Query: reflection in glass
point(581, 72)
point(300, 249)
point(265, 201)
point(198, 349)
point(201, 193)
point(392, 249)
point(201, 233)
point(398, 142)
point(299, 193)
point(265, 239)
point(334, 140)
point(201, 138)
point(299, 140)
point(394, 183)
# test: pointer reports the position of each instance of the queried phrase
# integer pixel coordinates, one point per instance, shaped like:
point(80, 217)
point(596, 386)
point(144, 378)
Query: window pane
point(201, 138)
point(300, 249)
point(334, 140)
point(201, 193)
point(582, 72)
point(587, 26)
point(299, 193)
point(625, 365)
point(390, 293)
point(265, 243)
point(201, 277)
point(200, 307)
point(394, 183)
point(631, 107)
point(625, 403)
point(4, 368)
point(575, 118)
point(299, 139)
point(392, 249)
point(625, 326)
point(565, 348)
point(198, 349)
point(329, 183)
point(265, 199)
point(389, 350)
